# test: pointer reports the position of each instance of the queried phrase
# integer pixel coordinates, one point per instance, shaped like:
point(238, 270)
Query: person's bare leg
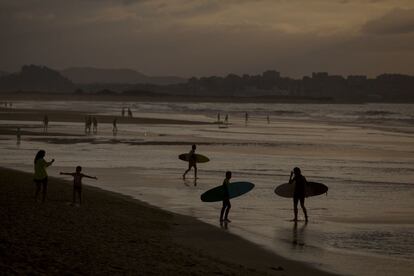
point(37, 191)
point(44, 192)
point(295, 209)
point(302, 204)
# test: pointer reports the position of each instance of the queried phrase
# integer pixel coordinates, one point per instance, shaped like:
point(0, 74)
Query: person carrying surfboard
point(226, 200)
point(299, 192)
point(192, 161)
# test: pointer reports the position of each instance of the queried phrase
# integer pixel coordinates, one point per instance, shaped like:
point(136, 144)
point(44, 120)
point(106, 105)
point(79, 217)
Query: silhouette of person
point(224, 213)
point(18, 136)
point(114, 127)
point(268, 119)
point(299, 193)
point(123, 112)
point(226, 119)
point(40, 174)
point(129, 113)
point(77, 183)
point(192, 161)
point(246, 117)
point(95, 125)
point(45, 123)
point(218, 117)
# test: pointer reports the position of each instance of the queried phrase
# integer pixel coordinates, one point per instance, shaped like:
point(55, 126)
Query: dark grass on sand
point(109, 234)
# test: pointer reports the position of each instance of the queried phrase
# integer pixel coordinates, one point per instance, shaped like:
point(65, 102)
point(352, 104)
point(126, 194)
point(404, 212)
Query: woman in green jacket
point(40, 174)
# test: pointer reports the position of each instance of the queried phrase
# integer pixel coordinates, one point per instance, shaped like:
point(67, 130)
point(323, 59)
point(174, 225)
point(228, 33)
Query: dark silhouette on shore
point(77, 183)
point(40, 177)
point(192, 162)
point(224, 213)
point(299, 193)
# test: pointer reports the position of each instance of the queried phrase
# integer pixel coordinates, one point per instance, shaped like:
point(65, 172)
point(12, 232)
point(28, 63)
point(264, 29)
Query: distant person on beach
point(45, 123)
point(218, 117)
point(192, 161)
point(123, 112)
point(268, 119)
point(95, 125)
point(129, 113)
point(114, 127)
point(40, 174)
point(226, 119)
point(299, 192)
point(87, 124)
point(18, 136)
point(224, 213)
point(246, 117)
point(77, 183)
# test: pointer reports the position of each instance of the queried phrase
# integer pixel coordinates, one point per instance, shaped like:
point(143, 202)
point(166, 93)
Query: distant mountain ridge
point(36, 78)
point(91, 75)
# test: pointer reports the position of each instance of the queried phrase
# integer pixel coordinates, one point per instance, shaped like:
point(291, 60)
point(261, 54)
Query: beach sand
point(115, 234)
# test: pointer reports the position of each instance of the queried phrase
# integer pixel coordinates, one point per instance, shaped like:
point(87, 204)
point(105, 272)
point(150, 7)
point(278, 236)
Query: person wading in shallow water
point(299, 193)
point(224, 213)
point(192, 161)
point(40, 174)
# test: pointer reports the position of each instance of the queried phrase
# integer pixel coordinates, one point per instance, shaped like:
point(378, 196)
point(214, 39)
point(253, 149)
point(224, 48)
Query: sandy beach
point(114, 234)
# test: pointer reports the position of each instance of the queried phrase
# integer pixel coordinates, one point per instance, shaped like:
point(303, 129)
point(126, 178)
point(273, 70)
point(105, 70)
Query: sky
point(211, 37)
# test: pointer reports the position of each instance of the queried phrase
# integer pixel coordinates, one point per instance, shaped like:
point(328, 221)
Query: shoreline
point(115, 233)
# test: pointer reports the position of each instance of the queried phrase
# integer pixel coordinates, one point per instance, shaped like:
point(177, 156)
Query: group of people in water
point(295, 177)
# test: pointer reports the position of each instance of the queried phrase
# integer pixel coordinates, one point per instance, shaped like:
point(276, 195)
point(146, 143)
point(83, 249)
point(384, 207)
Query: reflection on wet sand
point(298, 237)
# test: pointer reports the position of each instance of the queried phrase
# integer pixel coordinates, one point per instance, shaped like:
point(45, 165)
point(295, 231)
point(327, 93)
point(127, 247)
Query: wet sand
point(115, 234)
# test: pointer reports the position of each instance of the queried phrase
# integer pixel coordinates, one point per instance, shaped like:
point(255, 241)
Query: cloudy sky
point(210, 37)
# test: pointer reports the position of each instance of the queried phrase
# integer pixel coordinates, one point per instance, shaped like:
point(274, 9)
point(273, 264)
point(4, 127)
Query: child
point(226, 201)
point(77, 182)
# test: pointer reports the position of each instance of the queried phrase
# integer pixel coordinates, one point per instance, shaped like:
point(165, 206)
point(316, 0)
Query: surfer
point(192, 162)
point(40, 174)
point(226, 200)
point(77, 183)
point(299, 192)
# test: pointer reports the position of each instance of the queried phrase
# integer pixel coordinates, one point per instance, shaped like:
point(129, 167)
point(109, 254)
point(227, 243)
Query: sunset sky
point(210, 37)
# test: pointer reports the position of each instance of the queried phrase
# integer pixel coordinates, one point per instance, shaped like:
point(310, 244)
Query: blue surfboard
point(235, 189)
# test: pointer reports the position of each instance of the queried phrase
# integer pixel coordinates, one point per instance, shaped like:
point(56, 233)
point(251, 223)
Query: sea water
point(363, 153)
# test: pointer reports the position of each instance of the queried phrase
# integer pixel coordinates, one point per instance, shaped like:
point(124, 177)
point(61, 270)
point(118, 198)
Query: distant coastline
point(50, 96)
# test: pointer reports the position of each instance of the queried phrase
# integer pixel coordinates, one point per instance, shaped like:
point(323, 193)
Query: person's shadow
point(298, 238)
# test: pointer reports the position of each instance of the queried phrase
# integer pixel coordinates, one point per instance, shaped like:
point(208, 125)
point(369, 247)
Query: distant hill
point(36, 78)
point(3, 73)
point(90, 75)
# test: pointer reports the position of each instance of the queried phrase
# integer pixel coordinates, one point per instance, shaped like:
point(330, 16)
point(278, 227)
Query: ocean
point(364, 153)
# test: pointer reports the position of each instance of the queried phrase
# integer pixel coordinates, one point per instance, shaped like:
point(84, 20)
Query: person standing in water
point(123, 112)
point(226, 119)
point(268, 119)
point(129, 113)
point(40, 174)
point(45, 123)
point(95, 125)
point(77, 183)
point(18, 136)
point(192, 161)
point(299, 193)
point(224, 213)
point(114, 127)
point(246, 118)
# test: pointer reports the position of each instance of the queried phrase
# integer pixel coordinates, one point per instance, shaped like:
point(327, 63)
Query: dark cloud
point(397, 21)
point(205, 37)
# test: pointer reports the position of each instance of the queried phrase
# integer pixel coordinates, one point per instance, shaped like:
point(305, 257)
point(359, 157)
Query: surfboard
point(312, 189)
point(235, 189)
point(199, 157)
